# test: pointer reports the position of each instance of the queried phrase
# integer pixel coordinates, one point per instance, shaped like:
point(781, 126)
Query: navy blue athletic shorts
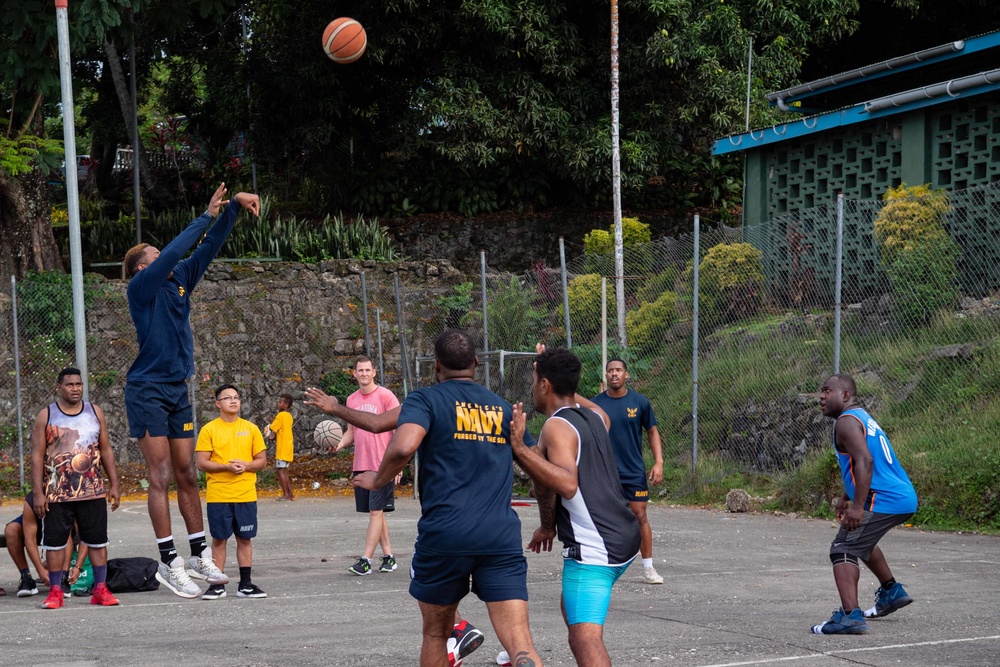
point(444, 579)
point(161, 408)
point(226, 519)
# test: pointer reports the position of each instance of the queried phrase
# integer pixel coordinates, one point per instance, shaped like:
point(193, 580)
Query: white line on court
point(827, 654)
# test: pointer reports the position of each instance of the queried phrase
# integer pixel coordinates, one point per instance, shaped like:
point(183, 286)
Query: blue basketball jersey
point(891, 491)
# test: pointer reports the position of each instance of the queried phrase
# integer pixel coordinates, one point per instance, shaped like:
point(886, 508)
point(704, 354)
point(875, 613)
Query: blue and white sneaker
point(842, 623)
point(888, 601)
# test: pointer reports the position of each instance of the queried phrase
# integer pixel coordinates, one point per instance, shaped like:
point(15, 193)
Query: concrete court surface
point(740, 590)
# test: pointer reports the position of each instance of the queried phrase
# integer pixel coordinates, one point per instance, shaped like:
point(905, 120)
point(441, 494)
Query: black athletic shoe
point(66, 589)
point(27, 587)
point(388, 564)
point(214, 592)
point(250, 591)
point(361, 568)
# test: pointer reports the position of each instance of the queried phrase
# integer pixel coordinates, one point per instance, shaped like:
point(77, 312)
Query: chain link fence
point(728, 331)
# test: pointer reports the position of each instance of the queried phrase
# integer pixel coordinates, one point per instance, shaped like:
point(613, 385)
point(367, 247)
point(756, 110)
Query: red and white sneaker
point(453, 659)
point(503, 659)
point(103, 596)
point(55, 599)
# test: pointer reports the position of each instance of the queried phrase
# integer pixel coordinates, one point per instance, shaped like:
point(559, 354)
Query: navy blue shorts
point(379, 500)
point(226, 519)
point(444, 580)
point(159, 408)
point(636, 493)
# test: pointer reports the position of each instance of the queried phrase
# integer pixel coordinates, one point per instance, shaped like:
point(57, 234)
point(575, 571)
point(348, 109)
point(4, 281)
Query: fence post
point(562, 270)
point(486, 325)
point(378, 327)
point(838, 283)
point(402, 335)
point(502, 361)
point(604, 329)
point(17, 378)
point(364, 306)
point(694, 349)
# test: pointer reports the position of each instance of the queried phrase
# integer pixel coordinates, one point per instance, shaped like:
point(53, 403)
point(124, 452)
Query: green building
point(928, 117)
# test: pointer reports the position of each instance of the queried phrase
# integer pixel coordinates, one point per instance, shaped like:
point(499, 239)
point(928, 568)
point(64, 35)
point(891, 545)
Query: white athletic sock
point(647, 562)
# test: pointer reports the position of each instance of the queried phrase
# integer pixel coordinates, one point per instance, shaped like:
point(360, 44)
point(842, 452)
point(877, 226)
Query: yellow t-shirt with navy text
point(282, 428)
point(227, 441)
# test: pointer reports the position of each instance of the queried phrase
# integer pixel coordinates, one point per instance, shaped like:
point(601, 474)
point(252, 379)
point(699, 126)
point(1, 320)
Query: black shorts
point(91, 519)
point(379, 500)
point(226, 519)
point(159, 408)
point(862, 540)
point(636, 493)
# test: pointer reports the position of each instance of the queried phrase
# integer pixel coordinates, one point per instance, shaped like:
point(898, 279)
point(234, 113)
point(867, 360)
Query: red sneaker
point(55, 599)
point(103, 596)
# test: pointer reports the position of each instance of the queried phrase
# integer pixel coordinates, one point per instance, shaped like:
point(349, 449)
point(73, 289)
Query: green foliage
point(648, 325)
point(600, 242)
point(655, 285)
point(731, 283)
point(22, 154)
point(513, 318)
point(457, 305)
point(339, 382)
point(584, 293)
point(45, 307)
point(919, 257)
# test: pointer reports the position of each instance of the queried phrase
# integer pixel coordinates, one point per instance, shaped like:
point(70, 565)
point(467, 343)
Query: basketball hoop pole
point(72, 192)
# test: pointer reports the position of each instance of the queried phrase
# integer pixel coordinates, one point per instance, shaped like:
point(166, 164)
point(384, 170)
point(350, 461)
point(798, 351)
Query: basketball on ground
point(344, 40)
point(327, 434)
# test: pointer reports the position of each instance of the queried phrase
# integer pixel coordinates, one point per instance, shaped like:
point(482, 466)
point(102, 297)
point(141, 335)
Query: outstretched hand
point(249, 201)
point(518, 424)
point(319, 399)
point(541, 540)
point(217, 201)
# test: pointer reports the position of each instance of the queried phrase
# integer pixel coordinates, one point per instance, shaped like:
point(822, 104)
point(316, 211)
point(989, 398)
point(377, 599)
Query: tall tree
point(476, 105)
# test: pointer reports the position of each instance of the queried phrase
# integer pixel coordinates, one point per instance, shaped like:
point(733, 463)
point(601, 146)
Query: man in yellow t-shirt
point(231, 452)
point(284, 449)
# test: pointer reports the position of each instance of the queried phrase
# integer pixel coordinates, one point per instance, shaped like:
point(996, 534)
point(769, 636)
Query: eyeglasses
point(228, 398)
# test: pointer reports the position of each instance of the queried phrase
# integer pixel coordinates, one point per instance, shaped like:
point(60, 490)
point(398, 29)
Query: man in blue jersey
point(878, 495)
point(467, 528)
point(631, 414)
point(579, 492)
point(156, 392)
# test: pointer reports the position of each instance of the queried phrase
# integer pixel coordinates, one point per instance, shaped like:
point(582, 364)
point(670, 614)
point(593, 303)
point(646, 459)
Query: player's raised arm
point(364, 420)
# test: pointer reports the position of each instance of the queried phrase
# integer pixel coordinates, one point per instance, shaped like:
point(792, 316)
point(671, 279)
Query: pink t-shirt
point(369, 448)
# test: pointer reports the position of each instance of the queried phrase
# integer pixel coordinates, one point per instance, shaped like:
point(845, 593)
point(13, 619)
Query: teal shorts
point(586, 590)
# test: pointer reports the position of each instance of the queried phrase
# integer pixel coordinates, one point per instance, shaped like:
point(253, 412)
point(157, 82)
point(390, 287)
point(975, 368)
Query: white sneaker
point(203, 567)
point(503, 659)
point(650, 575)
point(176, 579)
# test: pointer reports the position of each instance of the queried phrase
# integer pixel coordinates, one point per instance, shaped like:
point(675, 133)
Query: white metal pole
point(694, 348)
point(604, 329)
point(72, 192)
point(17, 381)
point(839, 283)
point(562, 270)
point(616, 180)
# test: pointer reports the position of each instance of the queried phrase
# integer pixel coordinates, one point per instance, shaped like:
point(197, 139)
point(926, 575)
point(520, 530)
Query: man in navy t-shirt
point(631, 414)
point(467, 529)
point(156, 391)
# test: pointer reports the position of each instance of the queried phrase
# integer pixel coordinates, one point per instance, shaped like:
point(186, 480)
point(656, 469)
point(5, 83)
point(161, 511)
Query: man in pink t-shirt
point(369, 448)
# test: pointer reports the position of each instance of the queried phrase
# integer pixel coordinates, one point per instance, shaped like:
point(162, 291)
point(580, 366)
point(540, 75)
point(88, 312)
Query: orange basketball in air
point(344, 40)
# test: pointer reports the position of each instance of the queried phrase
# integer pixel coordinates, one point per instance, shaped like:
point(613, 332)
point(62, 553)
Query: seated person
point(23, 538)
